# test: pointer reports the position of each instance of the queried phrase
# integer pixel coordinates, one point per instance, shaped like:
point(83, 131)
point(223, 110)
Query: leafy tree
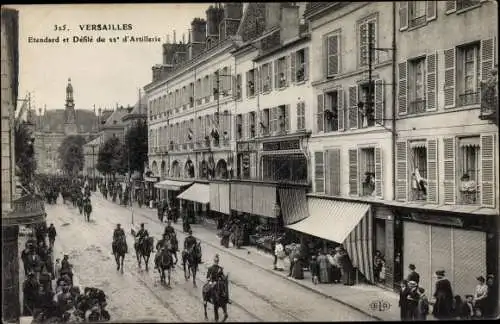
point(111, 157)
point(136, 144)
point(24, 153)
point(71, 154)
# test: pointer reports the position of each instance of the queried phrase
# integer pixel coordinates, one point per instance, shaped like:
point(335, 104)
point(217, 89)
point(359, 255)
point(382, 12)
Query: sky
point(102, 74)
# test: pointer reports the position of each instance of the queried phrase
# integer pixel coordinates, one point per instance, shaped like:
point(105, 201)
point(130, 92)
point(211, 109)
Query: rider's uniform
point(189, 242)
point(214, 272)
point(169, 230)
point(118, 233)
point(142, 234)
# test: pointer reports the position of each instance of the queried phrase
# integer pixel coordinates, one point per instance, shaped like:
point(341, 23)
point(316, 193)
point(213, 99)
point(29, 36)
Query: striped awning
point(348, 223)
point(198, 192)
point(469, 142)
point(172, 185)
point(418, 144)
point(219, 197)
point(293, 202)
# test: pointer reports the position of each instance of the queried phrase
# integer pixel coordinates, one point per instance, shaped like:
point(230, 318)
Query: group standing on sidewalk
point(414, 304)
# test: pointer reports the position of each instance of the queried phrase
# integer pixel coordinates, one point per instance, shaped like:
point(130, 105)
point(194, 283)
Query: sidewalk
point(371, 300)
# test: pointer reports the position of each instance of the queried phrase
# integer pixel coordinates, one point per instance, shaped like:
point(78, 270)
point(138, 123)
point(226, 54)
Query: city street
point(136, 294)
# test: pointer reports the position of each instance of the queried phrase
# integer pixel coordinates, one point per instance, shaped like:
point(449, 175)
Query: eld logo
point(380, 306)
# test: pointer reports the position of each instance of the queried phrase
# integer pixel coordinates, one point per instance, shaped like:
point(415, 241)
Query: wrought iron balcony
point(468, 98)
point(417, 21)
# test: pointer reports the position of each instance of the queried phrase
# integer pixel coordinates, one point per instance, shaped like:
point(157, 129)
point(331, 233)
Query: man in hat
point(52, 235)
point(413, 275)
point(214, 273)
point(412, 300)
point(30, 293)
point(142, 234)
point(160, 245)
point(443, 295)
point(169, 229)
point(491, 300)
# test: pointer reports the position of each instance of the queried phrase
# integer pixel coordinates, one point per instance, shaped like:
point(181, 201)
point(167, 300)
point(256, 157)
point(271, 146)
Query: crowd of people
point(49, 293)
point(415, 305)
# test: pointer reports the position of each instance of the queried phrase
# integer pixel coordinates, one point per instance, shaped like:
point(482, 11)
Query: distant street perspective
point(250, 162)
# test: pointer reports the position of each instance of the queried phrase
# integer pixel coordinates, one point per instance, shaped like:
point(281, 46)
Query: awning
point(254, 198)
point(418, 144)
point(151, 179)
point(469, 142)
point(293, 203)
point(219, 197)
point(348, 223)
point(198, 192)
point(172, 184)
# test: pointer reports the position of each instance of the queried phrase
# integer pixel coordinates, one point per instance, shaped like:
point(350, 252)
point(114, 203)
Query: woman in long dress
point(346, 268)
point(279, 251)
point(323, 268)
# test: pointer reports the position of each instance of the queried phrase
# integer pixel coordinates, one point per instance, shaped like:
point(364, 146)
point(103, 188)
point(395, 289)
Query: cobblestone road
point(137, 294)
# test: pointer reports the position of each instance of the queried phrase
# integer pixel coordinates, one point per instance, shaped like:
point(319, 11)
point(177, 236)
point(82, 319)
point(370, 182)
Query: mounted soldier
point(162, 244)
point(118, 233)
point(142, 234)
point(169, 229)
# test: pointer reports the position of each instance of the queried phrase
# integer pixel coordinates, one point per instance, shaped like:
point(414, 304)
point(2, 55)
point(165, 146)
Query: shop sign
point(434, 219)
point(282, 145)
point(245, 147)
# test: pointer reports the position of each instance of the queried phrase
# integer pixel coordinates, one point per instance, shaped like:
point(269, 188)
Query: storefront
point(150, 191)
point(342, 222)
point(464, 245)
point(284, 160)
point(257, 205)
point(219, 202)
point(170, 189)
point(196, 201)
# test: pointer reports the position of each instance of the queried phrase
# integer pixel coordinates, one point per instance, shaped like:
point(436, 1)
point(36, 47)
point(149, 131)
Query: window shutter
point(379, 173)
point(288, 70)
point(449, 170)
point(259, 128)
point(272, 120)
point(327, 124)
point(432, 171)
point(487, 49)
point(257, 81)
point(234, 86)
point(306, 63)
point(293, 67)
point(488, 170)
point(340, 109)
point(449, 78)
point(247, 78)
point(276, 75)
point(431, 99)
point(403, 15)
point(333, 55)
point(249, 125)
point(319, 172)
point(431, 10)
point(244, 127)
point(379, 101)
point(451, 6)
point(319, 113)
point(332, 172)
point(353, 172)
point(353, 107)
point(403, 88)
point(402, 171)
point(235, 128)
point(299, 118)
point(229, 78)
point(287, 118)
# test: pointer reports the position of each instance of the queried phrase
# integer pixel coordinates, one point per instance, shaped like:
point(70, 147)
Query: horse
point(143, 249)
point(165, 262)
point(87, 208)
point(192, 258)
point(80, 204)
point(217, 296)
point(119, 249)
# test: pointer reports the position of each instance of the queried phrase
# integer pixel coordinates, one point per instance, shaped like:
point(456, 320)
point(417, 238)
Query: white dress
point(279, 251)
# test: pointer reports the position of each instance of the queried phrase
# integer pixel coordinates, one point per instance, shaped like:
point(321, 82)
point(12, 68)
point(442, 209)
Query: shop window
point(468, 74)
point(367, 159)
point(251, 83)
point(416, 82)
point(290, 168)
point(468, 170)
point(418, 170)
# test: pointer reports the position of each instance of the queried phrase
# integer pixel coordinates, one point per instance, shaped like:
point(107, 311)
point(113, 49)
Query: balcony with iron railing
point(416, 106)
point(417, 21)
point(468, 98)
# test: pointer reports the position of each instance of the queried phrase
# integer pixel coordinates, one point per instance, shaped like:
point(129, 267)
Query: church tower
point(69, 113)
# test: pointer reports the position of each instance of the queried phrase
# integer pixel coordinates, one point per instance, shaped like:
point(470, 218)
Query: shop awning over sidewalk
point(219, 197)
point(254, 198)
point(347, 223)
point(293, 203)
point(172, 185)
point(198, 192)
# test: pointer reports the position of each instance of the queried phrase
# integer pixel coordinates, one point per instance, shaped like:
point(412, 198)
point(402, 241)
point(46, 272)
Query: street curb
point(276, 274)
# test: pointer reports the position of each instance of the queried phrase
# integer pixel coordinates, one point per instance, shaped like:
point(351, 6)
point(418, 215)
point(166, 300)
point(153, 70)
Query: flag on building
point(190, 134)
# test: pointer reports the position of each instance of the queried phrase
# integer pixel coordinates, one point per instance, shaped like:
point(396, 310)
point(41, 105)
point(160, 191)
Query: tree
point(71, 154)
point(24, 152)
point(136, 145)
point(111, 157)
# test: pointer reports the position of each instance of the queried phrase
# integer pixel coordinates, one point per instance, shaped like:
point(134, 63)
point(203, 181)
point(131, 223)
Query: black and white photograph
point(250, 162)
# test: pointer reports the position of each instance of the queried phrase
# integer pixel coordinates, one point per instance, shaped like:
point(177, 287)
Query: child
point(423, 305)
point(314, 267)
point(467, 309)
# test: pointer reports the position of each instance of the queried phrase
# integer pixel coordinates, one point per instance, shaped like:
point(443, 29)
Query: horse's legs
point(205, 309)
point(194, 276)
point(216, 312)
point(224, 309)
point(168, 273)
point(117, 259)
point(138, 256)
point(122, 259)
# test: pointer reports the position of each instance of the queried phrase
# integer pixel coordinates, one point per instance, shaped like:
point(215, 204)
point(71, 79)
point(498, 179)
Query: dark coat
point(444, 299)
point(214, 272)
point(413, 276)
point(52, 232)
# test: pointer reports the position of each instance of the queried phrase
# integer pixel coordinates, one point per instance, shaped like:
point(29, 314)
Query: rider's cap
point(142, 224)
point(117, 224)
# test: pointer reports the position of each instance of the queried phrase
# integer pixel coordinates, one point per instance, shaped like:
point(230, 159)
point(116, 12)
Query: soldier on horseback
point(160, 246)
point(214, 273)
point(189, 241)
point(169, 229)
point(142, 234)
point(118, 233)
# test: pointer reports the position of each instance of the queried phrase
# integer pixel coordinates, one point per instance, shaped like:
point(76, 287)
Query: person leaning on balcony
point(467, 185)
point(419, 183)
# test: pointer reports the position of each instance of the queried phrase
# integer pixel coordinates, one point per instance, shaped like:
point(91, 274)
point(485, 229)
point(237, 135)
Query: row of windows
point(464, 68)
point(468, 166)
point(279, 74)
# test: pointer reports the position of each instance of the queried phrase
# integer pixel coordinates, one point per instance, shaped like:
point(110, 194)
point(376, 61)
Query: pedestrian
point(423, 305)
point(492, 296)
point(443, 295)
point(467, 308)
point(52, 235)
point(481, 295)
point(377, 265)
point(30, 294)
point(402, 300)
point(273, 247)
point(314, 268)
point(412, 301)
point(413, 275)
point(279, 251)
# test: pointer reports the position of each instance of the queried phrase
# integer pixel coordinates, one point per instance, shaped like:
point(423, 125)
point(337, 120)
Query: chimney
point(273, 13)
point(215, 15)
point(168, 39)
point(233, 12)
point(198, 36)
point(289, 24)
